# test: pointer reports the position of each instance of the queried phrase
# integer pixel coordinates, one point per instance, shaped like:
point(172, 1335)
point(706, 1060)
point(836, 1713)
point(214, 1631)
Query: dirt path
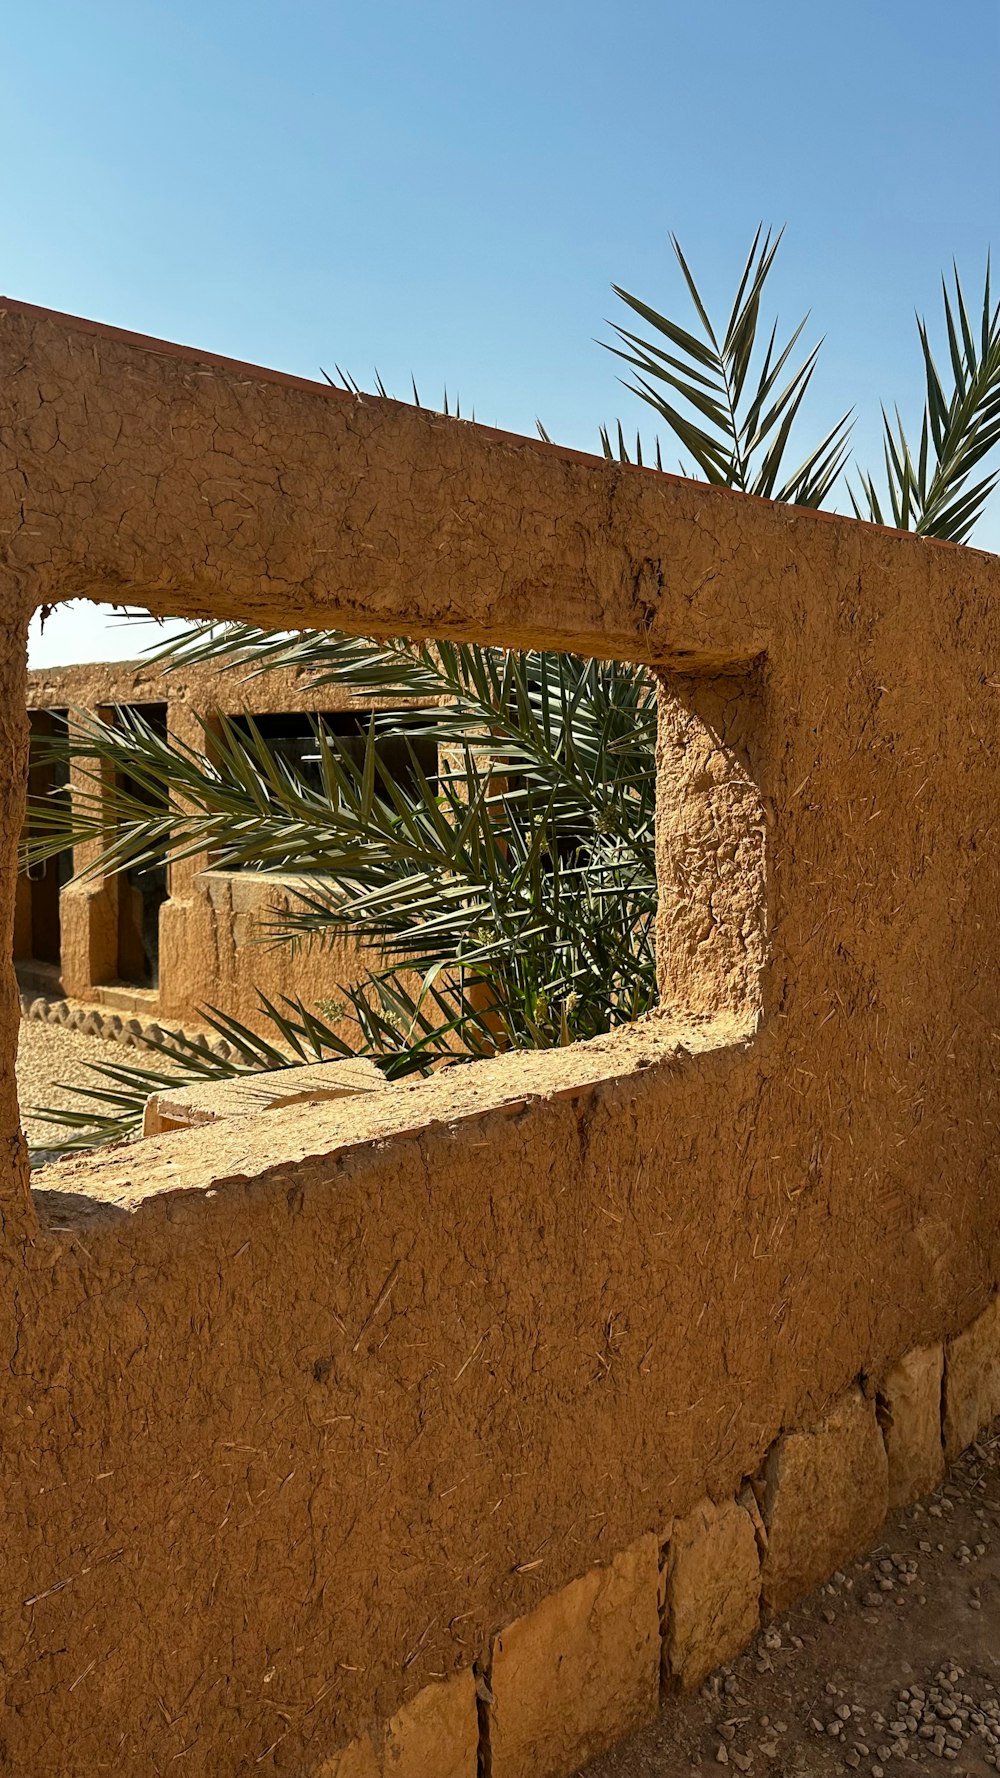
point(48, 1060)
point(891, 1669)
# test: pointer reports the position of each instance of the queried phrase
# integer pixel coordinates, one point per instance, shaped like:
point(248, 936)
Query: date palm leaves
point(741, 398)
point(740, 393)
point(928, 488)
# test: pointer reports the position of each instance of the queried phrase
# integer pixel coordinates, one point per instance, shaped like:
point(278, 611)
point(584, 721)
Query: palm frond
point(927, 486)
point(734, 420)
point(516, 885)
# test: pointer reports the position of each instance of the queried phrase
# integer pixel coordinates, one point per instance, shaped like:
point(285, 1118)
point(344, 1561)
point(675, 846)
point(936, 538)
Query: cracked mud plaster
point(254, 1505)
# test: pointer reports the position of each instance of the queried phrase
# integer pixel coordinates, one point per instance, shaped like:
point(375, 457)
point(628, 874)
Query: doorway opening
point(142, 888)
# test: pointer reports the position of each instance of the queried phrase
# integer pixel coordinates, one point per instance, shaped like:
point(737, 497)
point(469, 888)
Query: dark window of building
point(38, 946)
point(291, 739)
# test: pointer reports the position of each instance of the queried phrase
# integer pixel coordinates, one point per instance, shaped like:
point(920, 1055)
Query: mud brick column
point(178, 931)
point(88, 910)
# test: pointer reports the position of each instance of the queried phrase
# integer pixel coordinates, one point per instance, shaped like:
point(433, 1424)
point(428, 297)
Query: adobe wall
point(296, 1416)
point(215, 944)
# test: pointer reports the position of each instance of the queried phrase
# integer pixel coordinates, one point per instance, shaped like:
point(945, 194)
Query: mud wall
point(297, 1413)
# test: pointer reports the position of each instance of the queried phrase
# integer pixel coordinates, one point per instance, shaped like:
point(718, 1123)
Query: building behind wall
point(168, 938)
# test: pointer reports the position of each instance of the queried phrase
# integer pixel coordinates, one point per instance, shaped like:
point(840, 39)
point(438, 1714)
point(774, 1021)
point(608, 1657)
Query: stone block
point(910, 1416)
point(435, 1735)
point(578, 1672)
point(972, 1381)
point(712, 1591)
point(824, 1495)
point(356, 1761)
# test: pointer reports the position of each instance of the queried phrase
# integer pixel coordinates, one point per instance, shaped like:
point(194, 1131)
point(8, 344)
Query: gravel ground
point(891, 1669)
point(49, 1057)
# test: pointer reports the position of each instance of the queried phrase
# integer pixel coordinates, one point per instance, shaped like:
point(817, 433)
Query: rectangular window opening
point(574, 845)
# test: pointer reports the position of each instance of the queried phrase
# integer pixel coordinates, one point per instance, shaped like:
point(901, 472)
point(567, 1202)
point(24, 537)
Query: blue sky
point(450, 189)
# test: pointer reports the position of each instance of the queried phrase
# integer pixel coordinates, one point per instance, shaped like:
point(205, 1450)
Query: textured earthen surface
point(356, 1761)
point(824, 1497)
point(298, 1411)
point(436, 1735)
point(248, 1096)
point(910, 1416)
point(579, 1671)
point(972, 1380)
point(711, 1591)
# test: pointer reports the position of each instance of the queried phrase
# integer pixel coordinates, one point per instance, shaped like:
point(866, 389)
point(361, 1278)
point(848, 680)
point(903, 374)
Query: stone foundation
point(595, 1660)
point(823, 1493)
point(578, 1672)
point(711, 1591)
point(972, 1380)
point(910, 1416)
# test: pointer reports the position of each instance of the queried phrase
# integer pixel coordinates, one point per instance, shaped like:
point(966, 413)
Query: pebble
point(946, 1713)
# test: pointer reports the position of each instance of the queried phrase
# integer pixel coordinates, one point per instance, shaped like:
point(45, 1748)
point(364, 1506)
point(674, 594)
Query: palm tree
point(514, 894)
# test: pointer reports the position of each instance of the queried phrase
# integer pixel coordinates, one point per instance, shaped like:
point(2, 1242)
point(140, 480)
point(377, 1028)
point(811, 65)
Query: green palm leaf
point(929, 491)
point(734, 420)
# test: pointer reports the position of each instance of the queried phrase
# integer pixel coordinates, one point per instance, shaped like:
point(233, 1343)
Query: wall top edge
point(241, 368)
point(198, 1163)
